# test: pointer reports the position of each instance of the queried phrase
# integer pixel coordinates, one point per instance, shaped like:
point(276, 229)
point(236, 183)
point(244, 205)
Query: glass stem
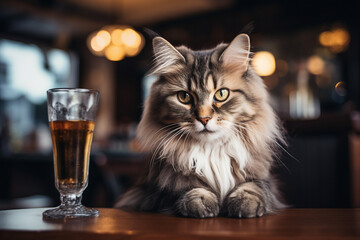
point(70, 200)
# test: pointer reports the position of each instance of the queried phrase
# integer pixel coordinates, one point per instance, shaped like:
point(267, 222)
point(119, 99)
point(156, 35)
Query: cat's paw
point(243, 203)
point(199, 203)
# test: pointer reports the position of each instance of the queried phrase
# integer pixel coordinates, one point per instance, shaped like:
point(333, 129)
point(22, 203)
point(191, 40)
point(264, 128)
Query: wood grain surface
point(117, 224)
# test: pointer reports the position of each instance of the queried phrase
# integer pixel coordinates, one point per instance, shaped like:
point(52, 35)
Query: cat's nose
point(204, 120)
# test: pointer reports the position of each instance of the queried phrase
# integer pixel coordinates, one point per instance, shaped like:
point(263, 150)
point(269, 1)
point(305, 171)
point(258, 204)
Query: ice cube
point(57, 112)
point(77, 112)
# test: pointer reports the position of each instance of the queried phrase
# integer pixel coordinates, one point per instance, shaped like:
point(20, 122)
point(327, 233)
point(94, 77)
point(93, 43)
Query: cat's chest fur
point(214, 164)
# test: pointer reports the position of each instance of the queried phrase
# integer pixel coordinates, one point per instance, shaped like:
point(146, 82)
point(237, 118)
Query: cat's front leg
point(248, 200)
point(198, 203)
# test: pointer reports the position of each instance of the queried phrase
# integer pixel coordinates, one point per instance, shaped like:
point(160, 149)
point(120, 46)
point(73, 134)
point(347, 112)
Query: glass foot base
point(70, 212)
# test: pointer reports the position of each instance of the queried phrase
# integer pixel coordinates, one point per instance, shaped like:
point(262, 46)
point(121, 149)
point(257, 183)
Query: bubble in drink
point(72, 143)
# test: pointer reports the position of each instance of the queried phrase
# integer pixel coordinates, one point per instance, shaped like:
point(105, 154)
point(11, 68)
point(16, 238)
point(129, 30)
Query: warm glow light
point(341, 40)
point(94, 47)
point(325, 38)
point(116, 36)
point(114, 53)
point(131, 38)
point(264, 63)
point(315, 65)
point(116, 42)
point(130, 52)
point(337, 40)
point(101, 40)
point(340, 89)
point(341, 36)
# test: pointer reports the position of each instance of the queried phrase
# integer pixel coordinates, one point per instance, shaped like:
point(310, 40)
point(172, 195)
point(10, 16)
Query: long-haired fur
point(208, 156)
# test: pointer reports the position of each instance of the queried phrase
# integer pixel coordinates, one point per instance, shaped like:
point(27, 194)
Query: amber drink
point(71, 115)
point(72, 142)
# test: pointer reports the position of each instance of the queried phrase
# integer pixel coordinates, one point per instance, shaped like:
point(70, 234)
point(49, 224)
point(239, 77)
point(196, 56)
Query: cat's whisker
point(165, 128)
point(157, 142)
point(175, 147)
point(241, 134)
point(278, 144)
point(279, 159)
point(294, 158)
point(243, 126)
point(165, 138)
point(282, 163)
point(186, 137)
point(167, 134)
point(160, 141)
point(166, 144)
point(247, 129)
point(189, 132)
point(160, 131)
point(168, 141)
point(231, 131)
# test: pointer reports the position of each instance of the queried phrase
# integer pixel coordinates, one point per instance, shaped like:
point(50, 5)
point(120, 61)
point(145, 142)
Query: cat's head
point(205, 96)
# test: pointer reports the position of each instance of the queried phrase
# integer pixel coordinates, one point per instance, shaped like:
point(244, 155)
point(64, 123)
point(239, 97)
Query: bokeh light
point(337, 40)
point(116, 42)
point(264, 63)
point(315, 65)
point(114, 53)
point(101, 40)
point(325, 38)
point(116, 36)
point(93, 45)
point(340, 89)
point(131, 38)
point(130, 52)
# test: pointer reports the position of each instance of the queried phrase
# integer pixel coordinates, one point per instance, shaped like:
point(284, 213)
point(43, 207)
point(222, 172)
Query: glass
point(72, 113)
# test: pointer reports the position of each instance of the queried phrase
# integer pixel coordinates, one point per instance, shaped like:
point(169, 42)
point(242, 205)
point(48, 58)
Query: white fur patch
point(212, 162)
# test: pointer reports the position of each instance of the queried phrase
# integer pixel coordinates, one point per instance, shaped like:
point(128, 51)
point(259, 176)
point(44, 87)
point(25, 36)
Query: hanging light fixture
point(116, 42)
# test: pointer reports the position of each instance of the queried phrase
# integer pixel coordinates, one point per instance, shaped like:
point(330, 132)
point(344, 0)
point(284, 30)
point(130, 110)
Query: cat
point(212, 135)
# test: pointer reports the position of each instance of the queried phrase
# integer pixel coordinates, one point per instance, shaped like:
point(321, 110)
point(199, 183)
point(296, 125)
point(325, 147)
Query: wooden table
point(116, 224)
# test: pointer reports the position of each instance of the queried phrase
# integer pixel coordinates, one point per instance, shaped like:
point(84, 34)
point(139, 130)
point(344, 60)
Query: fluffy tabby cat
point(212, 135)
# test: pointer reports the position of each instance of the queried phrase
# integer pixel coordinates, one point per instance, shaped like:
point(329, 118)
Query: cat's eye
point(221, 95)
point(184, 97)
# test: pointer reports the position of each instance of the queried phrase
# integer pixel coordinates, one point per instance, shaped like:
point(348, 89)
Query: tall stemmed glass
point(71, 113)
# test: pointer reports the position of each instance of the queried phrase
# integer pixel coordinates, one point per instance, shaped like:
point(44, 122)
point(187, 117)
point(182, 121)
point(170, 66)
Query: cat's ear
point(167, 57)
point(236, 55)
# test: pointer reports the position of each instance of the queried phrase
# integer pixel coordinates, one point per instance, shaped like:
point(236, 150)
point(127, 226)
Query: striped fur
point(204, 168)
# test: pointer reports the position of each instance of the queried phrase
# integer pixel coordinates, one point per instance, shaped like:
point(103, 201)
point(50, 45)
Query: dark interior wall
point(319, 177)
point(314, 171)
point(266, 17)
point(128, 97)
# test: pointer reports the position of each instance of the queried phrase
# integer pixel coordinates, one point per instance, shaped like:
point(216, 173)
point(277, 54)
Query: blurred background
point(306, 51)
